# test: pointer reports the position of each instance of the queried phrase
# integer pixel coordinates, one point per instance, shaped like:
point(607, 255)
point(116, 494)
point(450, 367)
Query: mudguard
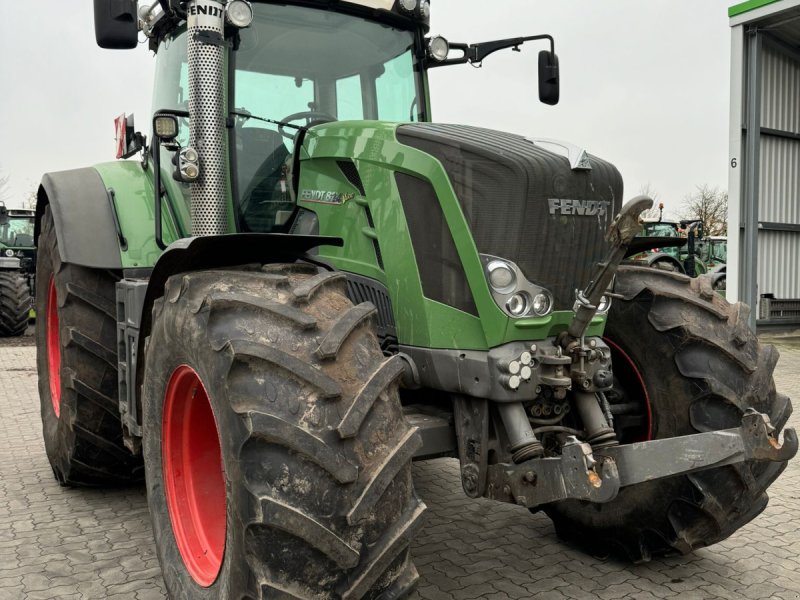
point(82, 211)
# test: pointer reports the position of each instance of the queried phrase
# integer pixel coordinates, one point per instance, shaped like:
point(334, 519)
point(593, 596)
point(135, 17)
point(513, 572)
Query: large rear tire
point(15, 303)
point(76, 358)
point(696, 366)
point(268, 399)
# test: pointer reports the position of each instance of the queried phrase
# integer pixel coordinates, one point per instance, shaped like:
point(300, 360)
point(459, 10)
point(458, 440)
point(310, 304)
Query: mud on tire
point(702, 367)
point(15, 303)
point(80, 412)
point(315, 453)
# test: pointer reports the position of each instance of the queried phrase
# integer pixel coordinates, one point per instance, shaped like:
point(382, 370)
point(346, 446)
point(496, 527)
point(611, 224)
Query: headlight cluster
point(517, 296)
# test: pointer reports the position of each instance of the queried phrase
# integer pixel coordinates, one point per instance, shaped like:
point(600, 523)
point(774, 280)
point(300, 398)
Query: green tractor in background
point(714, 253)
point(17, 269)
point(671, 245)
point(304, 283)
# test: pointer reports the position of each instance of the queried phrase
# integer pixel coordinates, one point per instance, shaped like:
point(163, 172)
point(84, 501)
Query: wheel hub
point(194, 482)
point(53, 337)
point(628, 376)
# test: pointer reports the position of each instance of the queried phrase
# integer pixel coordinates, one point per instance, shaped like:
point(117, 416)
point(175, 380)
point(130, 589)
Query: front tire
point(267, 395)
point(695, 366)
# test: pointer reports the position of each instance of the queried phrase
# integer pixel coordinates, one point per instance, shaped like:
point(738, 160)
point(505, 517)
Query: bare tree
point(30, 199)
point(4, 191)
point(710, 205)
point(654, 212)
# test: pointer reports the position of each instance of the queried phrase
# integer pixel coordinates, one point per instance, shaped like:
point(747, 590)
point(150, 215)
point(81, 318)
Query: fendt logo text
point(584, 208)
point(213, 11)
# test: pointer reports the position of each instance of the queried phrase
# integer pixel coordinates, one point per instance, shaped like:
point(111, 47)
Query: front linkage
point(583, 474)
point(596, 469)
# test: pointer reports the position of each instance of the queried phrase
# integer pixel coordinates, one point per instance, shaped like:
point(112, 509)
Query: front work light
point(408, 5)
point(239, 13)
point(438, 48)
point(165, 127)
point(425, 10)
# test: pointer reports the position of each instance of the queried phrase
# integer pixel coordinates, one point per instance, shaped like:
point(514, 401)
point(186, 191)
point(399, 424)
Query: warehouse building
point(764, 180)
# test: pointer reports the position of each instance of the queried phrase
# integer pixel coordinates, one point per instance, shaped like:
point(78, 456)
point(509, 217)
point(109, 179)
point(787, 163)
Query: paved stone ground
point(81, 544)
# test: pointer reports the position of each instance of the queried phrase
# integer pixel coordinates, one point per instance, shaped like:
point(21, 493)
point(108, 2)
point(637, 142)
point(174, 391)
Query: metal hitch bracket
point(576, 474)
point(597, 477)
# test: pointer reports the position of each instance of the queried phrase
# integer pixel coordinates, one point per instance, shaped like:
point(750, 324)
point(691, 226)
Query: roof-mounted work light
point(438, 48)
point(239, 13)
point(165, 127)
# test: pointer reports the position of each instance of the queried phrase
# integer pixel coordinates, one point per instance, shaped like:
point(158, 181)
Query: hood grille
point(507, 187)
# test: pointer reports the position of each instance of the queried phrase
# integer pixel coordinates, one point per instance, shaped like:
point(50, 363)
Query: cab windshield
point(309, 66)
point(660, 230)
point(17, 233)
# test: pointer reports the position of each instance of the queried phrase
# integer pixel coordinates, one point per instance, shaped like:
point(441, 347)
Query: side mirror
point(549, 81)
point(116, 24)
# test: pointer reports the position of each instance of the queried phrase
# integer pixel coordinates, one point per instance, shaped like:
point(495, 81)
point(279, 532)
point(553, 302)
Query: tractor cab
point(292, 68)
point(16, 232)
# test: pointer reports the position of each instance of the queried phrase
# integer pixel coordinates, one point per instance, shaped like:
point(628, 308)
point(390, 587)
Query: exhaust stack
point(205, 35)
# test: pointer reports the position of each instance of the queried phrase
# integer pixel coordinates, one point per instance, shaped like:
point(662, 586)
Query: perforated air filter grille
point(207, 130)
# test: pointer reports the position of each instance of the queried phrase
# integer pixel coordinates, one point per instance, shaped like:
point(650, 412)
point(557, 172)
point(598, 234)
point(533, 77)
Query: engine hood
point(532, 203)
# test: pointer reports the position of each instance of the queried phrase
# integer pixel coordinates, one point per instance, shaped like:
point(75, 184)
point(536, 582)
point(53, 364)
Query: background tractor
point(17, 269)
point(714, 253)
point(671, 245)
point(303, 284)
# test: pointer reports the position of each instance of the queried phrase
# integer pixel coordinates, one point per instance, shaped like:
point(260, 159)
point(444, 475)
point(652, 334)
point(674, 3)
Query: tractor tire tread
point(85, 445)
point(15, 304)
point(726, 371)
point(289, 402)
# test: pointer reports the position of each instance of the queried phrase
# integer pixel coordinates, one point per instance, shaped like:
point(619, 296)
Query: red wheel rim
point(53, 348)
point(194, 482)
point(627, 370)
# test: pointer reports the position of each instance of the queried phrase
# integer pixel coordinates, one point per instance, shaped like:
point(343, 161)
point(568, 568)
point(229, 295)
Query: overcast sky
point(645, 84)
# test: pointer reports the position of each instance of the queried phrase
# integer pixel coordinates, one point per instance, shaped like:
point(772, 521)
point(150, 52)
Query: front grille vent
point(349, 170)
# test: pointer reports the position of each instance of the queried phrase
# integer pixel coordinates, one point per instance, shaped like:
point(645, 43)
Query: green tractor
point(17, 260)
point(714, 254)
point(671, 245)
point(303, 284)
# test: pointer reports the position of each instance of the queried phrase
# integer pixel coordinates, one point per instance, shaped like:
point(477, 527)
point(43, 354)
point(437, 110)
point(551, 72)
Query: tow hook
point(597, 476)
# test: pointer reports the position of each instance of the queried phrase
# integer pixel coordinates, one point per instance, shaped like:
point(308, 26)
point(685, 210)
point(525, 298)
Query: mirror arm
point(481, 51)
point(476, 53)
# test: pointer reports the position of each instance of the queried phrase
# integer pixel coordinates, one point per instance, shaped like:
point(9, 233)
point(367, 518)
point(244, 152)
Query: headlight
point(501, 276)
point(519, 304)
point(518, 297)
point(408, 5)
point(542, 304)
point(9, 252)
